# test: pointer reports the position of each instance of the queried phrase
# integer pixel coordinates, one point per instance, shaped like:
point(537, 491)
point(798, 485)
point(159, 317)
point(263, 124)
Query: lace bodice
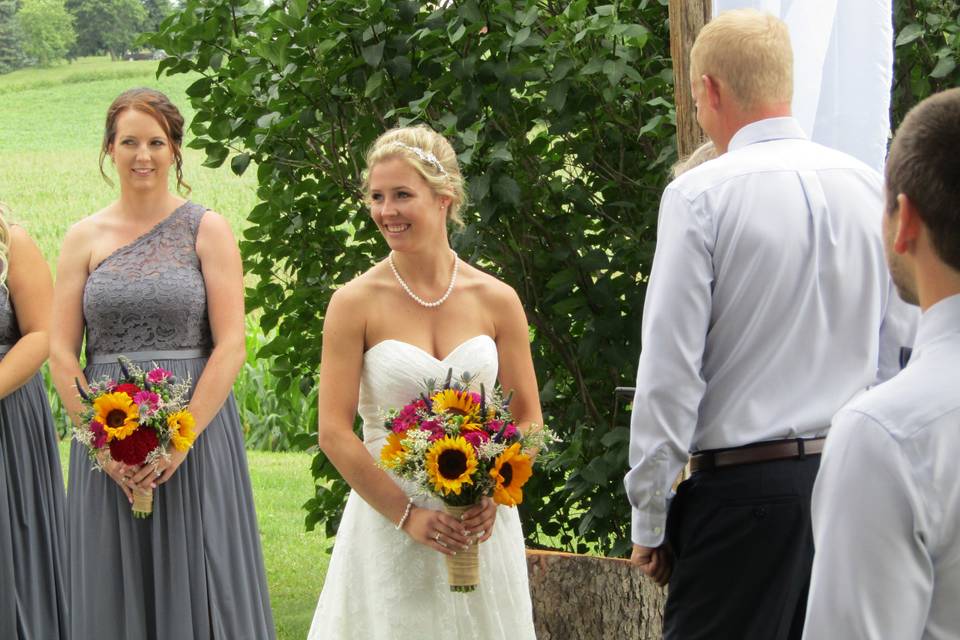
point(150, 294)
point(9, 329)
point(394, 373)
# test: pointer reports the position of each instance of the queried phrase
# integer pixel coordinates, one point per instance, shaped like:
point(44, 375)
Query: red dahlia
point(135, 448)
point(127, 388)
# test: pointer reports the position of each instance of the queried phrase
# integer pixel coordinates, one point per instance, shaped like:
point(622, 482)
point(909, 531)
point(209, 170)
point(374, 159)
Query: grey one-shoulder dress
point(194, 569)
point(32, 528)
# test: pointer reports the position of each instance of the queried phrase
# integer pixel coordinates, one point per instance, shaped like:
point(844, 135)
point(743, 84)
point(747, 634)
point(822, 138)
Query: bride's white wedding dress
point(381, 584)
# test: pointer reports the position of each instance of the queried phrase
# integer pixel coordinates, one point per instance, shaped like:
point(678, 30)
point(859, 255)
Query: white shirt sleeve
point(670, 383)
point(872, 576)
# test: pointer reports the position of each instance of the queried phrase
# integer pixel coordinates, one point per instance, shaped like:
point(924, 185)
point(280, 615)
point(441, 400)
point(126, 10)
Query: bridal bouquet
point(135, 421)
point(459, 446)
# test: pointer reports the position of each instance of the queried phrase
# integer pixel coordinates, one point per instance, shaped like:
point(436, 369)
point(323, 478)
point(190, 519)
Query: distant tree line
point(41, 32)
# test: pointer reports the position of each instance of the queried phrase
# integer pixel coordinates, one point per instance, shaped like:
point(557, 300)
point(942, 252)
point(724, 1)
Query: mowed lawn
point(51, 124)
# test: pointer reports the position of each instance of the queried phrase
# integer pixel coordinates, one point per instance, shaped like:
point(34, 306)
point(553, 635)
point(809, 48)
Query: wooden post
point(687, 17)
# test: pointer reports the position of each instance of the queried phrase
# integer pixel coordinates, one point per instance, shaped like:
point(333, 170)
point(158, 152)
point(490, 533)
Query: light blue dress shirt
point(886, 504)
point(768, 306)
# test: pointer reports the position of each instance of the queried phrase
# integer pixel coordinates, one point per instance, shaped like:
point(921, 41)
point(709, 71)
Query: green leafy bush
point(927, 51)
point(562, 117)
point(562, 122)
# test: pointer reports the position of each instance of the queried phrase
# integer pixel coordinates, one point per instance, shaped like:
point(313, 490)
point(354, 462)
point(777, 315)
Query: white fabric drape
point(843, 70)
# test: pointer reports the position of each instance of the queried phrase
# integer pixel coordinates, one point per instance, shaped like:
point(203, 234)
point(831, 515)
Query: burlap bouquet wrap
point(142, 503)
point(463, 569)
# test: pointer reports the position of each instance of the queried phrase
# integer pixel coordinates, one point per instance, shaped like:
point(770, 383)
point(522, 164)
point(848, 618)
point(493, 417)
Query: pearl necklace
point(418, 299)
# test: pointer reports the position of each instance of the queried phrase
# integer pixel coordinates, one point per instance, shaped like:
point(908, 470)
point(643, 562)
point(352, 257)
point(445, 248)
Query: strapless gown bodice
point(396, 372)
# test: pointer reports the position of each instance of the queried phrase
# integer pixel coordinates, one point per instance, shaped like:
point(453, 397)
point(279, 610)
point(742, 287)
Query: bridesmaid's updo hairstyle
point(156, 105)
point(430, 155)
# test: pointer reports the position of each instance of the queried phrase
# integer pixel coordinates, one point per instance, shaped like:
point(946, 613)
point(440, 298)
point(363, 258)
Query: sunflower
point(510, 472)
point(117, 413)
point(450, 464)
point(393, 452)
point(457, 403)
point(181, 425)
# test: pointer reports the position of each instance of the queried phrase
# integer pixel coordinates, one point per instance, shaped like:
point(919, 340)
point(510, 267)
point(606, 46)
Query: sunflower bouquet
point(135, 421)
point(460, 445)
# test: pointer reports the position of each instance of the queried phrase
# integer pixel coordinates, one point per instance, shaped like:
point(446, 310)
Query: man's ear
point(909, 225)
point(711, 90)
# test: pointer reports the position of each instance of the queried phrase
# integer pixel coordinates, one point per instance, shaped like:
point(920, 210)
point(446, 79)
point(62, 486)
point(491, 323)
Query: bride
point(410, 318)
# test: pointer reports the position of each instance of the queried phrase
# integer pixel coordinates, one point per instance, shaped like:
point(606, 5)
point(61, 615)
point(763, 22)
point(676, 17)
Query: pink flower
point(494, 426)
point(476, 438)
point(435, 429)
point(501, 432)
point(408, 416)
point(510, 432)
point(158, 375)
point(148, 398)
point(99, 435)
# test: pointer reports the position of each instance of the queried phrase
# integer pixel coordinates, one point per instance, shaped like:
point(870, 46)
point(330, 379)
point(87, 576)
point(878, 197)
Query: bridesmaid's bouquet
point(459, 446)
point(135, 421)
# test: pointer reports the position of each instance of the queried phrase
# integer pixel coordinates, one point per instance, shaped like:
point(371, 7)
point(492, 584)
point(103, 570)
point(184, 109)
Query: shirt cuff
point(649, 529)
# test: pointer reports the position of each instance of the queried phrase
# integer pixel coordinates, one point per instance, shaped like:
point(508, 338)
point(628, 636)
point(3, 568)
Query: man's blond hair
point(749, 52)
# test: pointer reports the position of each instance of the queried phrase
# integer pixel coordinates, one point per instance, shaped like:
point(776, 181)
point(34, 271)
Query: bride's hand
point(479, 520)
point(438, 530)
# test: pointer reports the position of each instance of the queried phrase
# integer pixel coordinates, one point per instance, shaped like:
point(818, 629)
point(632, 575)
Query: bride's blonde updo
point(431, 155)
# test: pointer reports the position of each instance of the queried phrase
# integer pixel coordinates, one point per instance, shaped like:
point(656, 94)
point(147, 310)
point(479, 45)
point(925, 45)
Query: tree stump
point(590, 598)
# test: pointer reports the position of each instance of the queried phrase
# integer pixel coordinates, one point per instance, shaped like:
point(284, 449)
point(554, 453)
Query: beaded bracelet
point(406, 514)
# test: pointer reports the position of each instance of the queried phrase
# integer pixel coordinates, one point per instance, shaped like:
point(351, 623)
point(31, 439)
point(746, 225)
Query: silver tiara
point(424, 155)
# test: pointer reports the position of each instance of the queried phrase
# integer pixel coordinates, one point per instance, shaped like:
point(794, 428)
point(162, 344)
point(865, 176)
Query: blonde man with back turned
point(768, 307)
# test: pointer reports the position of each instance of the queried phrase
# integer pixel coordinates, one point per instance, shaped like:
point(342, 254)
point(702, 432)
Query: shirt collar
point(939, 320)
point(767, 129)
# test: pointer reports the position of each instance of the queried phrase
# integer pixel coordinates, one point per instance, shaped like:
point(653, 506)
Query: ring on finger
point(436, 538)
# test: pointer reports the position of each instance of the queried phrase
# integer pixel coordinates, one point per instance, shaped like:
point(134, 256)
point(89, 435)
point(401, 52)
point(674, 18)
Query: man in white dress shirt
point(886, 506)
point(768, 307)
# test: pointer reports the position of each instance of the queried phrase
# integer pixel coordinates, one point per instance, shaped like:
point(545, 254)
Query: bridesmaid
point(157, 278)
point(32, 529)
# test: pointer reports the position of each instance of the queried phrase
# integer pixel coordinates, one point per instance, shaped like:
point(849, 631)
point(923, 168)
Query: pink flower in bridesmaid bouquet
point(158, 375)
point(147, 399)
point(99, 435)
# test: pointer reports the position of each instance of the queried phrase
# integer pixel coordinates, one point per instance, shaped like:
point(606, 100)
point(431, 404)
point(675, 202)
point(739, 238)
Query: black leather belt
point(757, 452)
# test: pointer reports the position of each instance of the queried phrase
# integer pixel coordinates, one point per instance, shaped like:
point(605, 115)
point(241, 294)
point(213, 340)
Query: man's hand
point(656, 562)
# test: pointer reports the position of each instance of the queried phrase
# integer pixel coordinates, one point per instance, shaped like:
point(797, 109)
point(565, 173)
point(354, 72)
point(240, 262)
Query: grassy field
point(51, 123)
point(51, 126)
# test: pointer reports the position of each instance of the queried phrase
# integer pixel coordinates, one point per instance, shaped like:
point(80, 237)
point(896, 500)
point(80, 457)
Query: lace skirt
point(382, 585)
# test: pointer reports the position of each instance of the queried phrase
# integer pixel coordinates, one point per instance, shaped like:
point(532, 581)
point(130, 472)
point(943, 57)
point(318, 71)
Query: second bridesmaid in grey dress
point(32, 531)
point(159, 279)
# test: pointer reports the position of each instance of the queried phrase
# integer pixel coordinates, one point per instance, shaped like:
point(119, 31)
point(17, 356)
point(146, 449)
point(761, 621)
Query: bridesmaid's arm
point(66, 324)
point(340, 370)
point(223, 276)
point(31, 295)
